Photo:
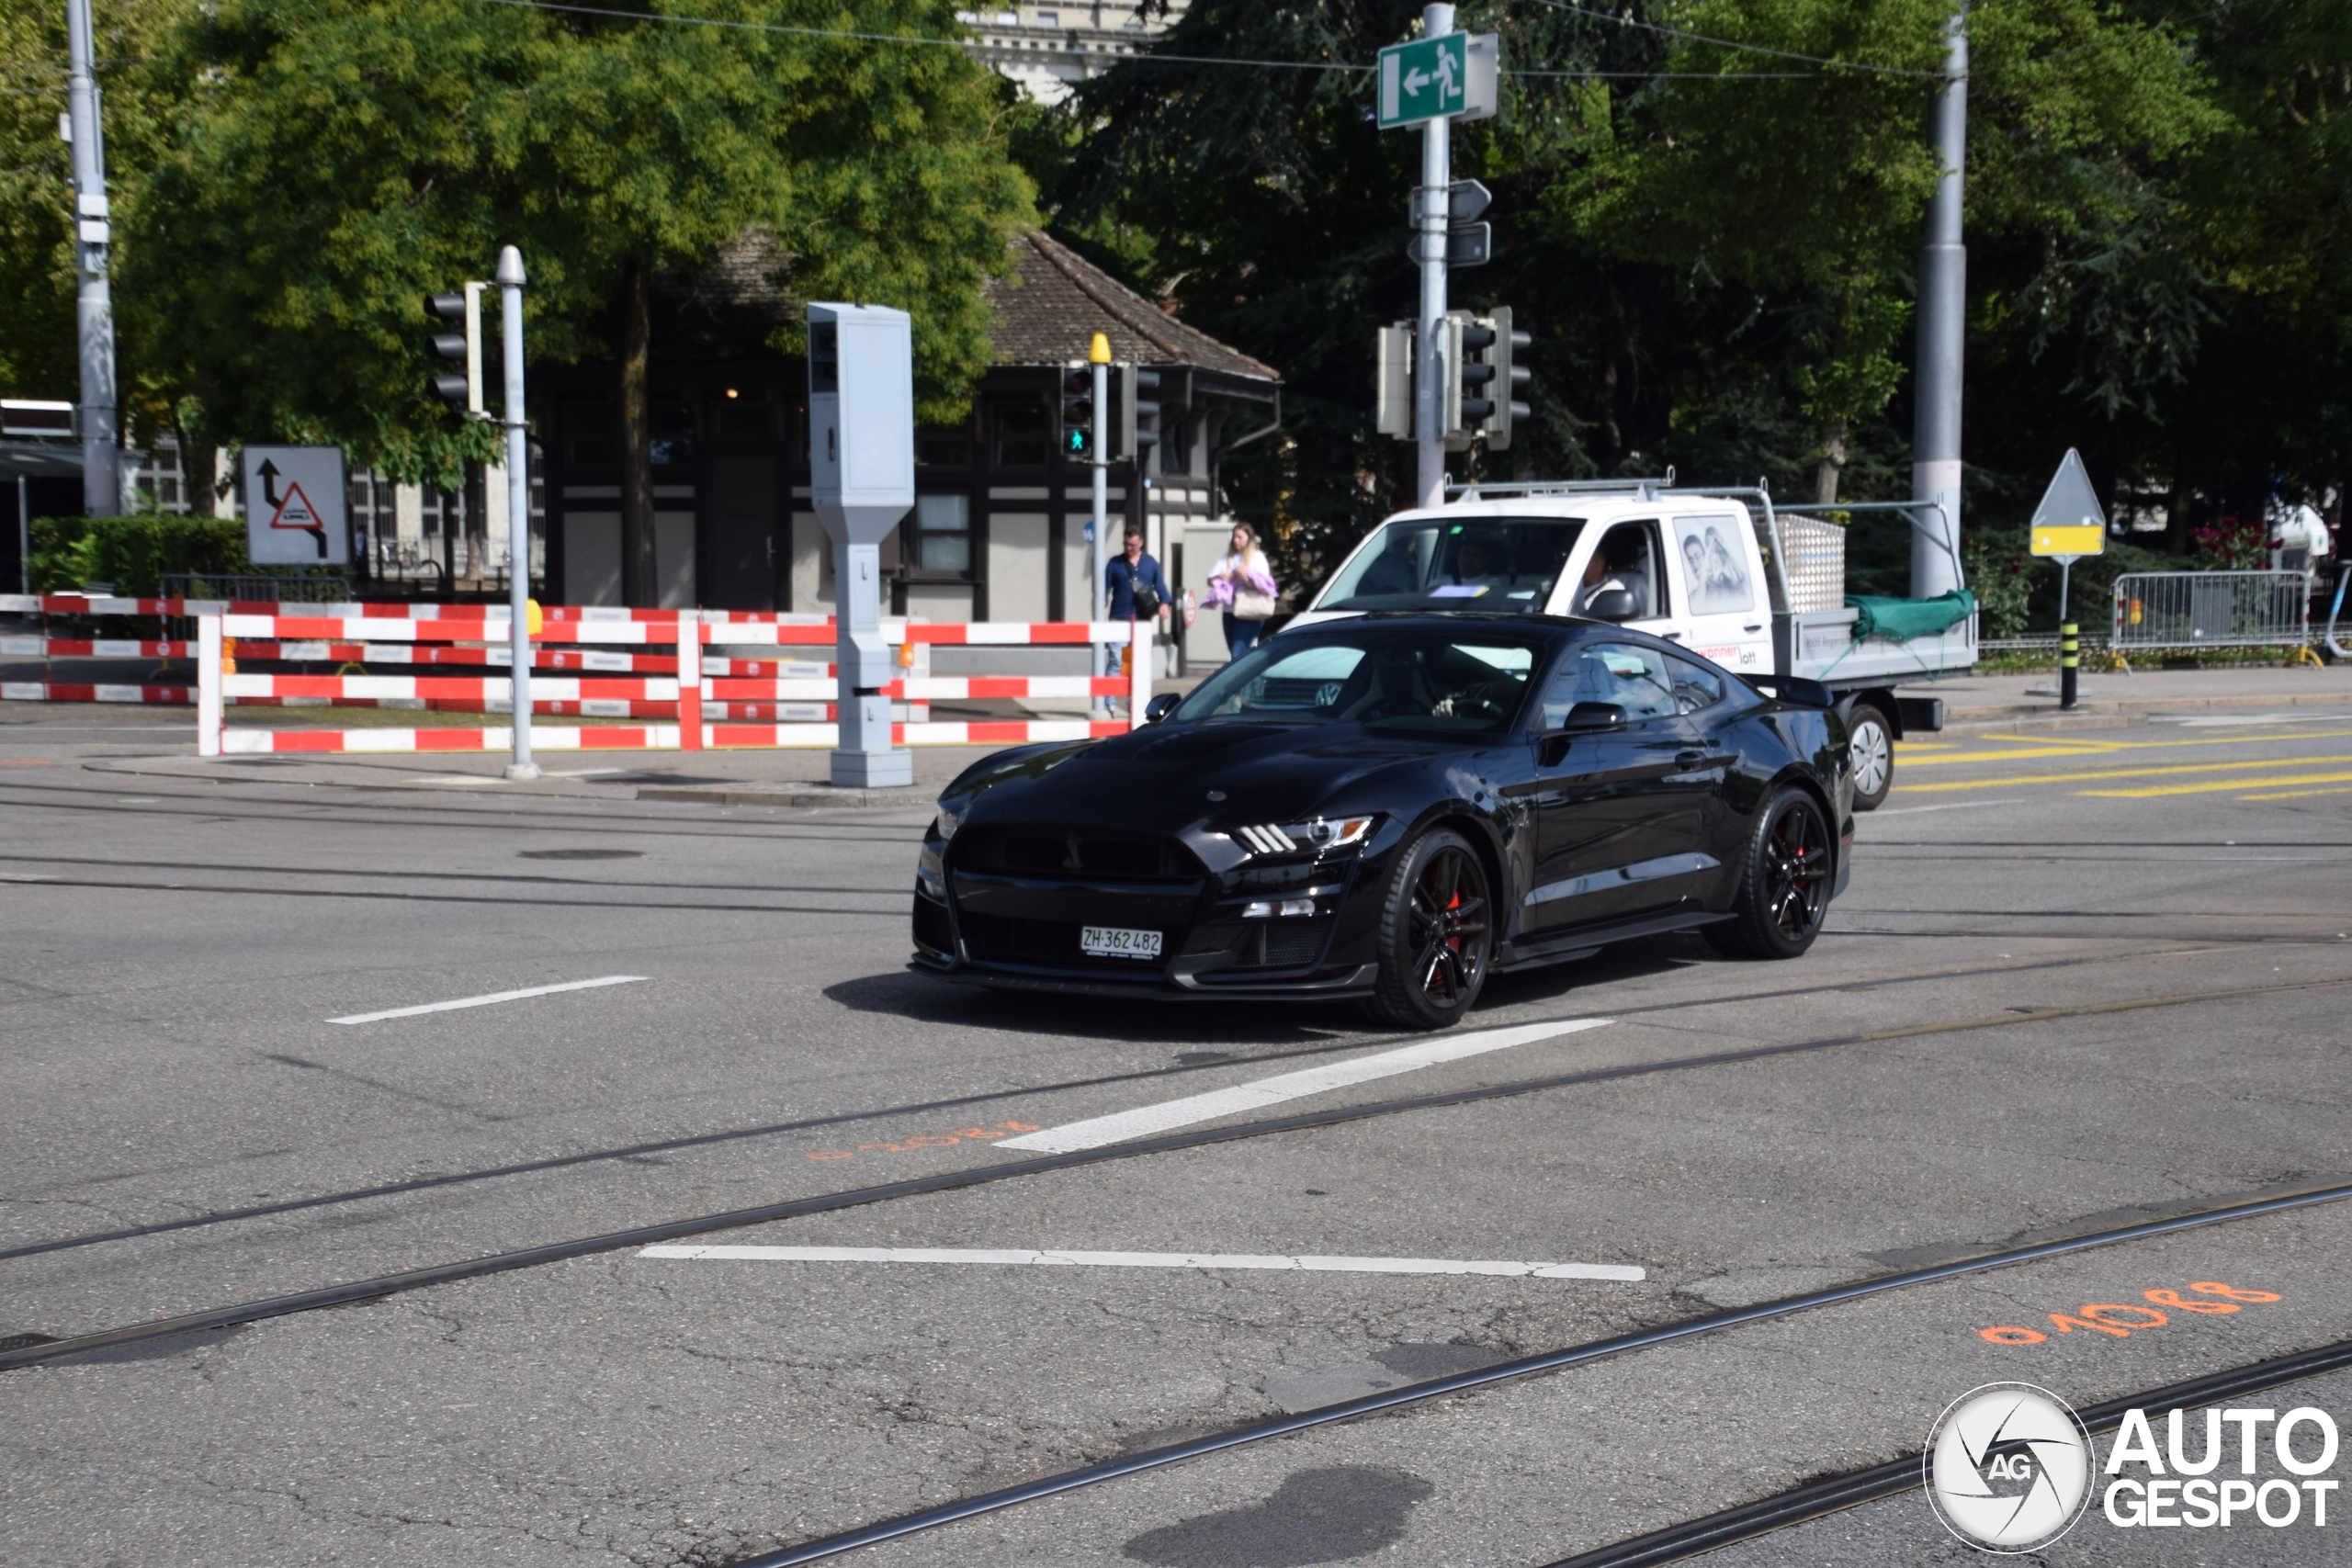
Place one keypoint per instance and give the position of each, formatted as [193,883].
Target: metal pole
[1429,390]
[1943,308]
[25,533]
[94,306]
[518,513]
[1097,603]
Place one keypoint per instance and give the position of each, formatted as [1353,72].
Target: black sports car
[1389,807]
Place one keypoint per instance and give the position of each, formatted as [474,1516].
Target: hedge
[132,553]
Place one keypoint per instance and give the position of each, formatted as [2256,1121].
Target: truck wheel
[1785,885]
[1436,932]
[1871,742]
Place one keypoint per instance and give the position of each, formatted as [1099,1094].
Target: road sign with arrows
[294,507]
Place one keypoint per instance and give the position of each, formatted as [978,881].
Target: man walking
[1136,589]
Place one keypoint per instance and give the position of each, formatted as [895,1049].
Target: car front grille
[932,925]
[1049,850]
[1009,938]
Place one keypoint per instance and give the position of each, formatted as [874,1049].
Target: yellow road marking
[2296,793]
[2094,747]
[2211,786]
[2086,775]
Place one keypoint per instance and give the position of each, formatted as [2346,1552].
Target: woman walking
[1243,584]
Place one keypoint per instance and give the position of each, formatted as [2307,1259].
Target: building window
[673,442]
[1049,18]
[944,449]
[592,430]
[944,534]
[1025,436]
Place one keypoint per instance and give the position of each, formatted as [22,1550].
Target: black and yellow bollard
[2070,660]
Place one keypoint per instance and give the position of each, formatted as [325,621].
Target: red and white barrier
[72,691]
[641,693]
[90,647]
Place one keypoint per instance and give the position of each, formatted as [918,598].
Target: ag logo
[2008,1468]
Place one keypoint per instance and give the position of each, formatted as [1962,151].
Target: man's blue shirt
[1120,579]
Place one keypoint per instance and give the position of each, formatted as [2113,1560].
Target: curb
[821,797]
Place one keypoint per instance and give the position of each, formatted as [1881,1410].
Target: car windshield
[1436,563]
[1470,682]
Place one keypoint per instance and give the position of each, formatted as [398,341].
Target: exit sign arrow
[1451,76]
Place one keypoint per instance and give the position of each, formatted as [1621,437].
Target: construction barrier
[2210,609]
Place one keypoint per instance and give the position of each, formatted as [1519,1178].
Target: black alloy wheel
[1784,888]
[1436,933]
[1870,749]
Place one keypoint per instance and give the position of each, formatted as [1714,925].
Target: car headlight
[1318,836]
[946,824]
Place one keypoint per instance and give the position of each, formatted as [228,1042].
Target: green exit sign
[1451,76]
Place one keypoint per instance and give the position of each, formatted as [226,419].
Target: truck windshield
[1437,563]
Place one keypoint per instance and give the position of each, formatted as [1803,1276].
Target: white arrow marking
[1414,81]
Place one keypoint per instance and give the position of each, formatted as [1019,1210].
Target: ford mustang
[1391,808]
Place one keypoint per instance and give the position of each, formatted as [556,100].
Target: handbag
[1147,601]
[1249,604]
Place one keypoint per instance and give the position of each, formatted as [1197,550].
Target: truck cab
[1759,592]
[1688,568]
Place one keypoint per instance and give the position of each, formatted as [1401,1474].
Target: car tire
[1871,747]
[1437,934]
[1784,883]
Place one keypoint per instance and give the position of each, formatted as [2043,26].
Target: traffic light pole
[518,513]
[1096,607]
[1429,385]
[94,303]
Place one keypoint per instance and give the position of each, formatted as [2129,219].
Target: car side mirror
[1584,718]
[1160,706]
[1612,604]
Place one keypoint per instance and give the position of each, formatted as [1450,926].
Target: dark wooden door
[740,545]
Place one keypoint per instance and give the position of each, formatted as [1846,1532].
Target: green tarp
[1900,620]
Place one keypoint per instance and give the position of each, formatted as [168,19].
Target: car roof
[1588,507]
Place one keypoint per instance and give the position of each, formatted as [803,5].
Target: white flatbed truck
[1759,589]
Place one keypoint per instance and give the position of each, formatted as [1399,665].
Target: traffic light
[1135,412]
[1078,411]
[460,391]
[1491,380]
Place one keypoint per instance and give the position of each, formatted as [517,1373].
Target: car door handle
[1689,760]
[1756,627]
[1672,636]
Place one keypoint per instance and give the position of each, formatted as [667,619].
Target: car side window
[1626,557]
[1635,679]
[1695,687]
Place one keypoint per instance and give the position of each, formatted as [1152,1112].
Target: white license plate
[1116,941]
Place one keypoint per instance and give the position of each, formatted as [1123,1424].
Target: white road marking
[26,876]
[2249,720]
[1955,806]
[1144,1261]
[494,996]
[1117,1128]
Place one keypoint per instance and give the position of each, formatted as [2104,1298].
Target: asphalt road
[2081,982]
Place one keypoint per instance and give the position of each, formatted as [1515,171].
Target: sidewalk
[2011,702]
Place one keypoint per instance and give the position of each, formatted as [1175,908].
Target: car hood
[1159,779]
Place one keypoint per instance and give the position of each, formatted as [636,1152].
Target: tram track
[1821,1498]
[400,1283]
[1803,1503]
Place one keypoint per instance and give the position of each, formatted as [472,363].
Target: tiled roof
[1057,301]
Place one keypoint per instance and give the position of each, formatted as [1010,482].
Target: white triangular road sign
[2070,520]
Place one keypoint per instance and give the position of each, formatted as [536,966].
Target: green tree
[338,159]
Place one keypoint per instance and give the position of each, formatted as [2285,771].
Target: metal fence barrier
[2211,609]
